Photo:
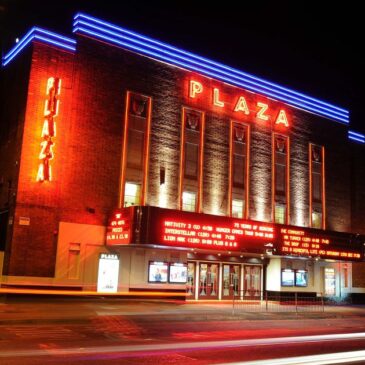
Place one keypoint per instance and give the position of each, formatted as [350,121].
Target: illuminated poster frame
[175,265]
[158,272]
[287,277]
[301,278]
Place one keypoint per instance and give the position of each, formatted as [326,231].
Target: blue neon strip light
[161,51]
[192,55]
[203,71]
[193,63]
[41,35]
[354,136]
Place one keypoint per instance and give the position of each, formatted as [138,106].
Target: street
[62,330]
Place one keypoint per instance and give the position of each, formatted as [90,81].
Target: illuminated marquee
[119,227]
[240,105]
[192,234]
[302,243]
[189,230]
[49,129]
[175,228]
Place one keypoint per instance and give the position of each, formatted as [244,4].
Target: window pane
[316,220]
[316,178]
[135,148]
[132,194]
[238,170]
[280,213]
[237,208]
[189,201]
[280,179]
[191,160]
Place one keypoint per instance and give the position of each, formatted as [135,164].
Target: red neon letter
[282,119]
[241,106]
[216,100]
[195,87]
[261,113]
[49,129]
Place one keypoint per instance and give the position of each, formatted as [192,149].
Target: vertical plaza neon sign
[49,129]
[262,111]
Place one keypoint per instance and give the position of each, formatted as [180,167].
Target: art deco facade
[232,183]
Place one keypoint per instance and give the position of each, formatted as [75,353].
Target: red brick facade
[88,150]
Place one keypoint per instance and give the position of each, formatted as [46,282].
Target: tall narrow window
[135,150]
[238,187]
[317,202]
[280,178]
[191,160]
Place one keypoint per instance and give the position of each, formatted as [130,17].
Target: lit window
[279,213]
[132,194]
[237,208]
[316,220]
[189,201]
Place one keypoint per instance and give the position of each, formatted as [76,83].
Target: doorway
[231,279]
[252,280]
[208,281]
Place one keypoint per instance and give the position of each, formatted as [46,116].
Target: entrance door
[252,280]
[231,281]
[208,280]
[190,284]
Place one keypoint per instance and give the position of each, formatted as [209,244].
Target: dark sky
[312,49]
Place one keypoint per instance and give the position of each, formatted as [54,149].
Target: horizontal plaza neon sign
[239,105]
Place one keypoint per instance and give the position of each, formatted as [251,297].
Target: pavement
[22,307]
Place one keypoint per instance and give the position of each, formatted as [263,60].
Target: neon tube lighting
[357,134]
[41,35]
[361,140]
[334,110]
[205,72]
[191,55]
[204,65]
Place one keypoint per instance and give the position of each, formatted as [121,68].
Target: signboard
[119,227]
[176,228]
[193,230]
[311,243]
[24,221]
[108,273]
[236,103]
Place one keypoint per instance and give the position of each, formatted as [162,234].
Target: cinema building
[130,165]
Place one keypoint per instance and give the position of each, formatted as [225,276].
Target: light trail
[186,346]
[323,359]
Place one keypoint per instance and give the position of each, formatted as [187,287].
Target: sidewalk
[33,308]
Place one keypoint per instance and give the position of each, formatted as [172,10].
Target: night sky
[299,45]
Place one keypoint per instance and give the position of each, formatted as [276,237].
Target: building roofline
[42,35]
[115,35]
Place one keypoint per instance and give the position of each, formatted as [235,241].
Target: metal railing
[257,301]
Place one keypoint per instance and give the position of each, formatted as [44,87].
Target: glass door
[208,280]
[252,280]
[190,283]
[231,281]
